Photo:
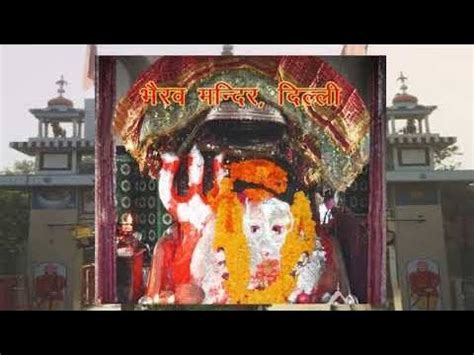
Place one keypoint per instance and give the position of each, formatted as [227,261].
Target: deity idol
[240,243]
[246,228]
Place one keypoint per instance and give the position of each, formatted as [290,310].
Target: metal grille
[138,195]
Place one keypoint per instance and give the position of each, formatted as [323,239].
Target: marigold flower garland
[230,236]
[260,171]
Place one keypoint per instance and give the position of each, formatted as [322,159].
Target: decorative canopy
[333,139]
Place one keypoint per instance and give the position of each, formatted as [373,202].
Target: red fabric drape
[376,217]
[105,251]
[352,235]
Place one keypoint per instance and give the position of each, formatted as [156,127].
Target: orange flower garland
[260,172]
[230,236]
[256,171]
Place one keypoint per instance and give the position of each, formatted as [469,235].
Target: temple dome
[60,101]
[404,99]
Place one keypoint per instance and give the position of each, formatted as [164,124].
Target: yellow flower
[229,235]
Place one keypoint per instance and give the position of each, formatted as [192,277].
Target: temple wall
[50,240]
[416,240]
[89,119]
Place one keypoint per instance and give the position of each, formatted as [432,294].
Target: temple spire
[227,49]
[61,83]
[402,79]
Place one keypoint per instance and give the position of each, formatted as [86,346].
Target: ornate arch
[335,140]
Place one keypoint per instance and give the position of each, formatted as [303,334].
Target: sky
[441,75]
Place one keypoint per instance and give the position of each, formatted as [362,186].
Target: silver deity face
[266,225]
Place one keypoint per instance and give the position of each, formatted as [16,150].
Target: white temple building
[61,194]
[431,212]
